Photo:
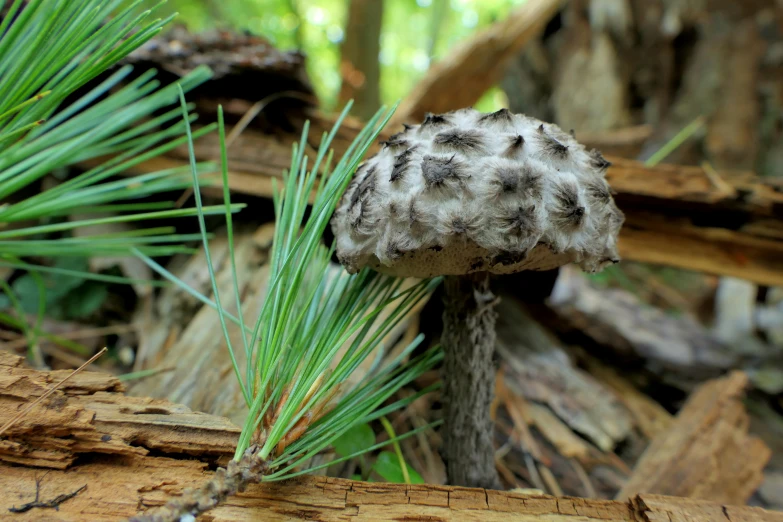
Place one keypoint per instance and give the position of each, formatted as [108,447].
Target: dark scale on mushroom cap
[550,146]
[521,221]
[501,117]
[598,162]
[394,249]
[396,142]
[365,187]
[438,170]
[569,211]
[434,120]
[514,148]
[507,179]
[530,183]
[413,215]
[401,164]
[598,192]
[464,141]
[467,186]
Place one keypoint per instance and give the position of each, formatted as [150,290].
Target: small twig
[585,478]
[54,503]
[50,391]
[549,479]
[717,181]
[143,374]
[256,109]
[532,469]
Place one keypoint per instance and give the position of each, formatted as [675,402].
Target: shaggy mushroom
[466,195]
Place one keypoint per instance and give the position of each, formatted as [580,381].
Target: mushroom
[466,195]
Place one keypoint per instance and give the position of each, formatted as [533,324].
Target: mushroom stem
[468,342]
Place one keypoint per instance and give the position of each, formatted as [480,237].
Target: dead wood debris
[706,453]
[605,65]
[676,349]
[551,404]
[90,415]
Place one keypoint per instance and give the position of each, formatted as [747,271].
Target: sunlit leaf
[387,465]
[359,438]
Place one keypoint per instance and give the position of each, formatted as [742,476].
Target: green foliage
[49,121]
[64,296]
[317,324]
[415,33]
[387,465]
[59,108]
[360,439]
[355,440]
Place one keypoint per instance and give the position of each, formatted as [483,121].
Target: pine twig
[227,481]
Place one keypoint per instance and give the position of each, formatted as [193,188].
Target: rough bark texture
[225,483]
[708,438]
[89,415]
[538,368]
[104,485]
[359,65]
[118,486]
[469,380]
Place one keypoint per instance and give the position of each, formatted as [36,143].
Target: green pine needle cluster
[59,109]
[49,51]
[317,324]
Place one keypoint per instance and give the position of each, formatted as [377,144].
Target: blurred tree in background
[413,34]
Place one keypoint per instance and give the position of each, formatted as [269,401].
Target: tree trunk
[359,65]
[468,380]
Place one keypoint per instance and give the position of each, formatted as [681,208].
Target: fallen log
[707,452]
[134,453]
[91,415]
[118,487]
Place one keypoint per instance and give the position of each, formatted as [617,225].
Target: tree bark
[359,65]
[468,380]
[117,487]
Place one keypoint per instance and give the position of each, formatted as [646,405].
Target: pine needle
[50,391]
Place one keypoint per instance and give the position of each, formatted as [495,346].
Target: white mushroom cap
[467,192]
